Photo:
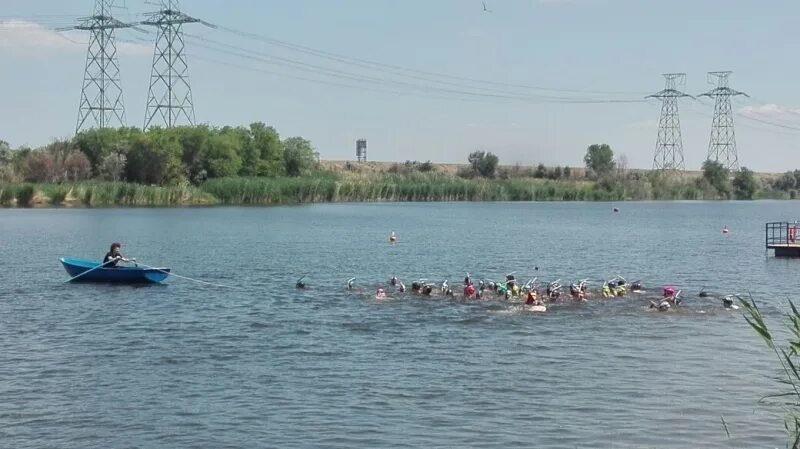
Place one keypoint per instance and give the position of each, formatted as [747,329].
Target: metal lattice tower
[722,145]
[169,100]
[101,96]
[669,145]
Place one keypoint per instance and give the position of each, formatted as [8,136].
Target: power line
[170,94]
[669,143]
[101,102]
[405,71]
[722,145]
[233,50]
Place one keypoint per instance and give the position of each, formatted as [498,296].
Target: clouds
[24,38]
[771,112]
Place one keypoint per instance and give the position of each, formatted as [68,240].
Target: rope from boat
[90,270]
[186,277]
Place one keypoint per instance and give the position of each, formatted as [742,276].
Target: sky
[533,81]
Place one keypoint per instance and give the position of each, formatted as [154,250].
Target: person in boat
[114,256]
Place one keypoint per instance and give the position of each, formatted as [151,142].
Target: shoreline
[337,188]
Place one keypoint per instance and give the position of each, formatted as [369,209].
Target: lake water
[262,364]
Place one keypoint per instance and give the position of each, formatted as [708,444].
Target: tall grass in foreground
[787,356]
[101,194]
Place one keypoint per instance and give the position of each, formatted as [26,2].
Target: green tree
[567,172]
[298,156]
[541,172]
[745,184]
[96,143]
[267,144]
[194,142]
[221,158]
[112,167]
[155,159]
[718,177]
[6,162]
[599,159]
[483,163]
[786,182]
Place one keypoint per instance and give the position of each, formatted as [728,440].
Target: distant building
[361,150]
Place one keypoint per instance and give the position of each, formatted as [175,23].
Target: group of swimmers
[534,294]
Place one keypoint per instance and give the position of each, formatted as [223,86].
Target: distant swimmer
[616,209]
[351,283]
[300,284]
[380,293]
[727,302]
[393,238]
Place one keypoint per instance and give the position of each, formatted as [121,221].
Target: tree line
[160,156]
[191,155]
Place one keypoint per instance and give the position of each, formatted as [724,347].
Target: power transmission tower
[101,96]
[722,145]
[169,100]
[669,144]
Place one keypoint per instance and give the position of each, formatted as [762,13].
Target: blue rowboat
[123,275]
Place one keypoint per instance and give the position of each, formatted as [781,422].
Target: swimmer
[393,281]
[662,306]
[401,288]
[393,238]
[351,283]
[380,293]
[727,302]
[533,299]
[300,284]
[469,291]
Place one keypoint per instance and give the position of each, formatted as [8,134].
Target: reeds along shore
[330,187]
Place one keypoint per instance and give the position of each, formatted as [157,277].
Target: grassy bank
[101,194]
[331,187]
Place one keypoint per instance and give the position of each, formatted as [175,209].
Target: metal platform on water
[783,238]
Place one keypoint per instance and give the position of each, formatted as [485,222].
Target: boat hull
[120,275]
